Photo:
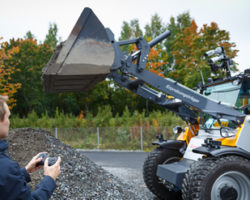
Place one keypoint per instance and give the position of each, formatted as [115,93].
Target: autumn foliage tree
[6,70]
[189,49]
[28,63]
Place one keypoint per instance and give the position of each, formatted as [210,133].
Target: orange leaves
[6,87]
[156,61]
[191,34]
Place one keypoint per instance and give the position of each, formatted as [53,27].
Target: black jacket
[13,180]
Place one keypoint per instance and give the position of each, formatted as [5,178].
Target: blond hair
[3,99]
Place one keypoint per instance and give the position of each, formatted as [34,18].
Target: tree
[51,37]
[6,87]
[158,57]
[154,28]
[28,63]
[175,26]
[29,35]
[130,30]
[189,49]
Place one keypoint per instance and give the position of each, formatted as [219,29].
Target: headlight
[177,130]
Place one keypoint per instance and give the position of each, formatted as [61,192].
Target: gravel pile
[80,178]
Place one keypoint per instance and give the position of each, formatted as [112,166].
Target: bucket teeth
[83,60]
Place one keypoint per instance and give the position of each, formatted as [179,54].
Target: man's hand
[54,170]
[31,166]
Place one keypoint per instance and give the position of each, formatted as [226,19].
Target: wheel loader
[210,159]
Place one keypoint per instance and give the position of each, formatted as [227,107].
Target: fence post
[141,138]
[98,138]
[56,133]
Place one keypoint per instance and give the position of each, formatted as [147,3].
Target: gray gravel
[83,179]
[80,178]
[126,165]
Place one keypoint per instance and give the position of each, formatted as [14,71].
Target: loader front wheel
[224,178]
[155,158]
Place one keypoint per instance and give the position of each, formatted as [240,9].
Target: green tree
[29,35]
[154,28]
[51,38]
[175,26]
[130,30]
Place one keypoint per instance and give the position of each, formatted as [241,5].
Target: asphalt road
[132,160]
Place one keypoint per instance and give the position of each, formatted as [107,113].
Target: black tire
[156,157]
[225,178]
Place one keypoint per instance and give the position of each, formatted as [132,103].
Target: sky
[17,17]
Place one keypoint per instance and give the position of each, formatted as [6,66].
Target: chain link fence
[102,138]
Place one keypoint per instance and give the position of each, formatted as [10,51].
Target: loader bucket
[83,60]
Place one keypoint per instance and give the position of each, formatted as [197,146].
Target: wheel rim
[233,181]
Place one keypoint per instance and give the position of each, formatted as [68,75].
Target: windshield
[226,93]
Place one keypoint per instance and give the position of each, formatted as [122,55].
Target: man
[13,179]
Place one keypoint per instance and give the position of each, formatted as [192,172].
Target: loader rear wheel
[155,158]
[224,178]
